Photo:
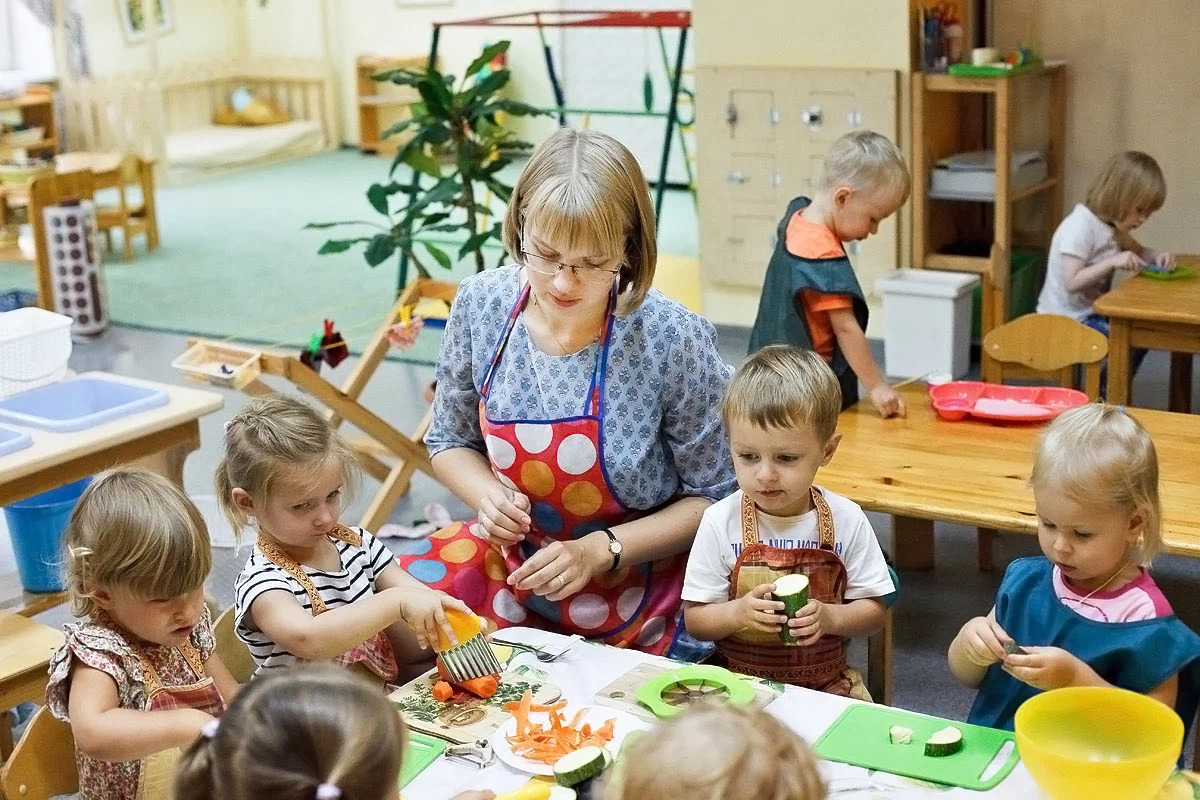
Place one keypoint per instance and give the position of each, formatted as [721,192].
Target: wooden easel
[386,453]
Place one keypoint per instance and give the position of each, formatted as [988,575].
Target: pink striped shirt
[1139,599]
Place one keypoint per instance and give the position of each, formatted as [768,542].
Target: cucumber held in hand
[581,765]
[945,742]
[792,591]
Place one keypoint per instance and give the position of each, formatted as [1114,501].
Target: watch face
[614,546]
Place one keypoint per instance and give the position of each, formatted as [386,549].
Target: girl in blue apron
[1088,613]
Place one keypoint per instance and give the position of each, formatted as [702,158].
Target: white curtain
[77,59]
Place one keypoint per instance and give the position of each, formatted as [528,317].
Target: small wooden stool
[24,661]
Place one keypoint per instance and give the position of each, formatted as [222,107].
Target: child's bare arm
[712,622]
[978,645]
[108,732]
[413,636]
[225,682]
[1049,668]
[324,636]
[853,344]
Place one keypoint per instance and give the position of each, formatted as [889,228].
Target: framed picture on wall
[411,3]
[133,17]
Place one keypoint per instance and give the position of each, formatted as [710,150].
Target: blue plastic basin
[11,441]
[78,404]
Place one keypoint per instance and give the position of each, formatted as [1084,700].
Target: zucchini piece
[1014,649]
[898,734]
[945,742]
[792,591]
[579,766]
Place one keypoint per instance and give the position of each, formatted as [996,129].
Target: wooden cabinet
[36,110]
[762,134]
[381,105]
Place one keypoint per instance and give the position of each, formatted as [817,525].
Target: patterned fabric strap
[824,520]
[153,681]
[288,564]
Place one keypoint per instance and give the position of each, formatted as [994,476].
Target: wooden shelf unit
[37,110]
[949,116]
[374,104]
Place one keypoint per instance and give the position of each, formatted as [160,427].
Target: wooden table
[923,469]
[24,659]
[1156,315]
[159,438]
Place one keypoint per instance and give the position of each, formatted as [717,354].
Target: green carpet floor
[235,261]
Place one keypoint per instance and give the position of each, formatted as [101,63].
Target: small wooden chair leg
[879,663]
[986,544]
[6,735]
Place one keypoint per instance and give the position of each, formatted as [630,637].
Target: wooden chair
[131,218]
[43,764]
[1041,346]
[51,190]
[232,652]
[879,651]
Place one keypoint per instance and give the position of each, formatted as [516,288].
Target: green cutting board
[860,737]
[422,751]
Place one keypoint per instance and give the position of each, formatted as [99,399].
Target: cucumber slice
[945,742]
[562,793]
[584,764]
[1014,649]
[792,591]
[898,734]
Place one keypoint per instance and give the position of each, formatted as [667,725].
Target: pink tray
[957,400]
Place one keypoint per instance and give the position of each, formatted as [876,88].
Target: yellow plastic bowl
[1089,742]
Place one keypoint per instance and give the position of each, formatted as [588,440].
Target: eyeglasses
[547,266]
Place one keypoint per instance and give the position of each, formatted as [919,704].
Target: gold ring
[562,584]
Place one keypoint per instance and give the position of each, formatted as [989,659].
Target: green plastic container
[1026,282]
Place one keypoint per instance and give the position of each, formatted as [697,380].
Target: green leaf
[476,241]
[421,162]
[378,195]
[321,225]
[486,57]
[483,90]
[447,228]
[437,134]
[436,97]
[438,254]
[434,219]
[338,246]
[516,108]
[380,249]
[501,190]
[401,77]
[399,127]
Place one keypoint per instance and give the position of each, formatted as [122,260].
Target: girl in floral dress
[137,676]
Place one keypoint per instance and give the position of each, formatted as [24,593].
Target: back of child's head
[1129,182]
[719,753]
[781,386]
[293,732]
[585,191]
[277,443]
[136,532]
[1099,456]
[867,162]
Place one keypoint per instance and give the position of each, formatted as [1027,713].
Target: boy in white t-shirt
[780,412]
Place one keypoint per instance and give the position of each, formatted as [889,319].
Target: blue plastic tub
[78,404]
[36,526]
[11,441]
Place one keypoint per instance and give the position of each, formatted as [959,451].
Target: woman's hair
[719,753]
[1130,181]
[134,531]
[584,190]
[277,442]
[1099,456]
[782,386]
[293,730]
[867,162]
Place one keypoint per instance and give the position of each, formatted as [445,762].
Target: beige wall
[1131,84]
[205,30]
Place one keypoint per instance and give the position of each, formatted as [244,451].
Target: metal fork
[544,656]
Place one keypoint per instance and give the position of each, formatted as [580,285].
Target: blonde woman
[138,674]
[1088,613]
[722,753]
[577,412]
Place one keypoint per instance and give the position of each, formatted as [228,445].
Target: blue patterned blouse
[662,426]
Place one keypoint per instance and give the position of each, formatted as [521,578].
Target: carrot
[443,673]
[551,741]
[442,691]
[483,687]
[513,706]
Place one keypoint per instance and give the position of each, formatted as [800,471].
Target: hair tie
[328,791]
[210,729]
[228,425]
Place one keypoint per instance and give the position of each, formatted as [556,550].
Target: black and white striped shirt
[361,567]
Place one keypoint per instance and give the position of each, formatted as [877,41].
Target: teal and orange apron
[821,665]
[559,465]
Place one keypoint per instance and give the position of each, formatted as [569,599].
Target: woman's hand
[561,569]
[403,335]
[503,515]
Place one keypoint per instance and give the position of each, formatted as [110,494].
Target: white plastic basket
[35,345]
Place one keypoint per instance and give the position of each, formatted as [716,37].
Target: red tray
[957,400]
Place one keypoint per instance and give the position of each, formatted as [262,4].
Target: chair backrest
[43,763]
[232,652]
[51,190]
[1046,345]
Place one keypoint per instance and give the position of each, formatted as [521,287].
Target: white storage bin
[927,322]
[34,347]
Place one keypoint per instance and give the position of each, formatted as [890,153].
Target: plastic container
[927,316]
[989,401]
[11,441]
[36,526]
[79,404]
[35,345]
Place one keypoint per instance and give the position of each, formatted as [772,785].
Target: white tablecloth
[589,668]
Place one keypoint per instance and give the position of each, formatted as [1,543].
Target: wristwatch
[614,547]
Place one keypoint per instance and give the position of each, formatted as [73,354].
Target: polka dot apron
[559,465]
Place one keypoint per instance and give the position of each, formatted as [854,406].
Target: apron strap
[509,324]
[288,564]
[824,520]
[599,370]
